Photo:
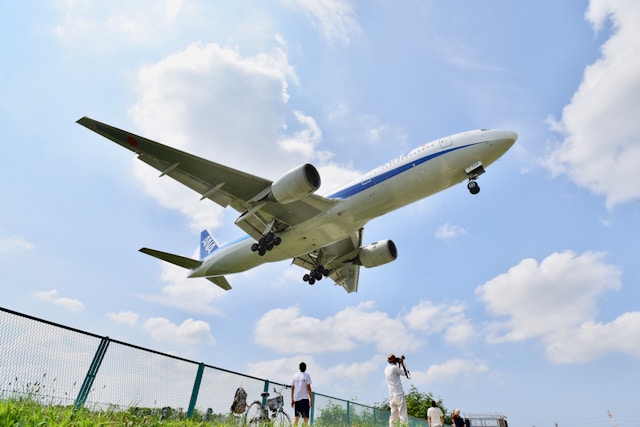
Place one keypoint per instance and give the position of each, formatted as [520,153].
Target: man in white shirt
[435,418]
[301,395]
[397,400]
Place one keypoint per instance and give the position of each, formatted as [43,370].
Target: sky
[521,300]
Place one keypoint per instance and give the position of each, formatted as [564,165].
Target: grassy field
[23,412]
[27,412]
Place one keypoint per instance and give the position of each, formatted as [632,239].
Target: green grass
[27,412]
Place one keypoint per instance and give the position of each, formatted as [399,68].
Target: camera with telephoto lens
[400,359]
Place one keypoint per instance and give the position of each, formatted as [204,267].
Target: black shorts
[301,408]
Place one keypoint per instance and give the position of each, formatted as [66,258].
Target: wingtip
[83,120]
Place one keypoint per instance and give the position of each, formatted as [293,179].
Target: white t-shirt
[434,413]
[299,383]
[392,374]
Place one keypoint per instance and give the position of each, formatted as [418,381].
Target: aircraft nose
[507,137]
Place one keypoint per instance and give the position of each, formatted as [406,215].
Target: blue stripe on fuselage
[356,188]
[377,179]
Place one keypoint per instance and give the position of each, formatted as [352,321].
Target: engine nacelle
[295,184]
[377,253]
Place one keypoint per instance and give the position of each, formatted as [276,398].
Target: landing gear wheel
[266,243]
[473,187]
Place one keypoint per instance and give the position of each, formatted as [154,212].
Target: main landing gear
[316,273]
[266,243]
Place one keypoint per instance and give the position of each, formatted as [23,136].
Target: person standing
[397,400]
[435,417]
[456,419]
[301,395]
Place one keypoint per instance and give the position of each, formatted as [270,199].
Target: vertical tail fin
[207,244]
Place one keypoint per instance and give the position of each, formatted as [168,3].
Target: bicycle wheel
[281,419]
[253,416]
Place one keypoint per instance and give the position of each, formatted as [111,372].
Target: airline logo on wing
[207,244]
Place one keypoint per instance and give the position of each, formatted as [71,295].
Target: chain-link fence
[57,365]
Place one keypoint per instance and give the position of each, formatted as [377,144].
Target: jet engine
[377,253]
[295,184]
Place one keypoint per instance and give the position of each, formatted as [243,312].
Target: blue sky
[521,300]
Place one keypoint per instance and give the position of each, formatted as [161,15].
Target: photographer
[397,400]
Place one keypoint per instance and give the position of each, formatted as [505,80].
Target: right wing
[216,182]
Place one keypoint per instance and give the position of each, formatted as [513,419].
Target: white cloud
[450,231]
[14,243]
[336,19]
[69,304]
[191,295]
[305,140]
[593,340]
[128,318]
[447,371]
[556,301]
[448,319]
[600,149]
[343,331]
[188,335]
[106,26]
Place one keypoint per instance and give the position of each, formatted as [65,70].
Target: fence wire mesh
[56,365]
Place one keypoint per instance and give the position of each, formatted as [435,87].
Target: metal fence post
[266,390]
[91,374]
[196,389]
[348,413]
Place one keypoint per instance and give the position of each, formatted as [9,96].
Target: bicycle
[257,414]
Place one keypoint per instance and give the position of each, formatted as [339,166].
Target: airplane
[285,219]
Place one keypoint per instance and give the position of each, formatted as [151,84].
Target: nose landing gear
[473,172]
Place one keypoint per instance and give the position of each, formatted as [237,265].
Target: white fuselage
[428,169]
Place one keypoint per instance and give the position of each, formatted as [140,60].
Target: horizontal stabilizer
[220,281]
[178,260]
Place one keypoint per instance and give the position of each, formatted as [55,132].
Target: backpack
[239,401]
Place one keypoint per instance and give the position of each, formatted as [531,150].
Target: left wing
[223,185]
[339,258]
